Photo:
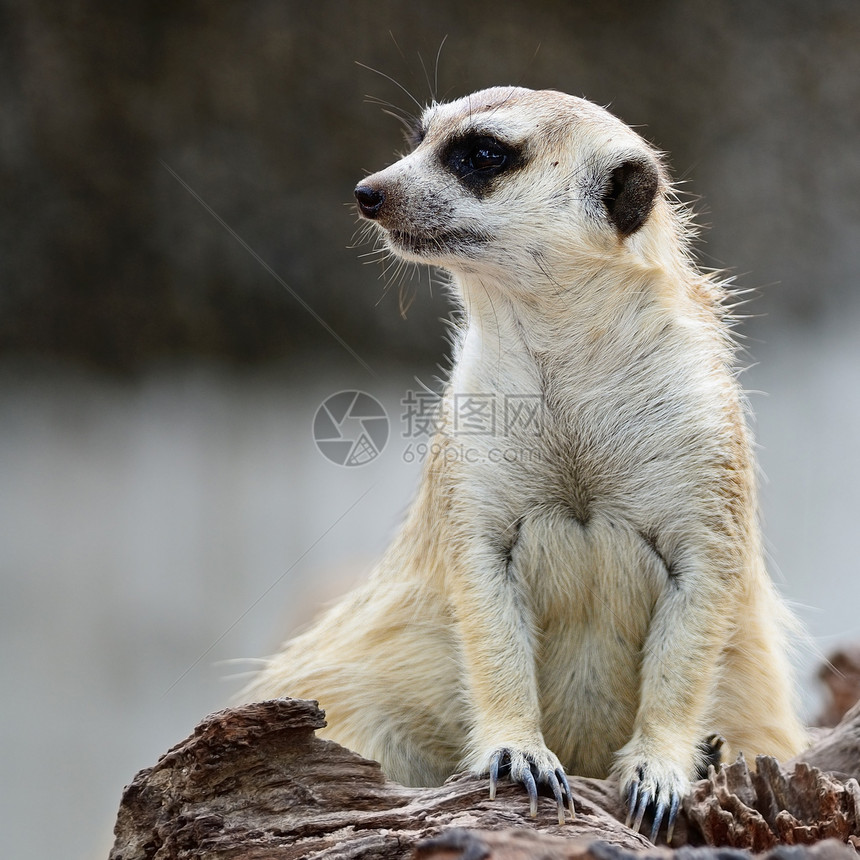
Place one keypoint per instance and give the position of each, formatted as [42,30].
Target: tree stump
[255,782]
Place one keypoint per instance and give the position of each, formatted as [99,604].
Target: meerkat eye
[477,159]
[487,156]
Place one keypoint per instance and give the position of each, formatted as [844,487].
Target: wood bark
[255,782]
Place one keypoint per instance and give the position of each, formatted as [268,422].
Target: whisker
[435,93]
[393,81]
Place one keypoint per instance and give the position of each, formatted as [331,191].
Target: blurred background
[180,289]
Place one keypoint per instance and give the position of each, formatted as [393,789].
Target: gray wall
[163,509]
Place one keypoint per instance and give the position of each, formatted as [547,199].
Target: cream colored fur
[601,601]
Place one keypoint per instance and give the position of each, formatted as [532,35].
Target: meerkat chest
[585,436]
[632,421]
[589,471]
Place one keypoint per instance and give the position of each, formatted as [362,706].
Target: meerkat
[582,592]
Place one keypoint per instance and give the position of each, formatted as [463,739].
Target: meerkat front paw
[535,768]
[659,785]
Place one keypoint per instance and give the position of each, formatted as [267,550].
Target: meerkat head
[509,179]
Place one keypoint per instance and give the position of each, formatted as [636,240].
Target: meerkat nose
[370,200]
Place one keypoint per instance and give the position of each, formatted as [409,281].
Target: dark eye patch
[478,159]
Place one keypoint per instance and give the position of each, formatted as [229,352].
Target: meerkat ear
[630,196]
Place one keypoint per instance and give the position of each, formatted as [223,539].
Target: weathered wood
[837,750]
[813,797]
[525,845]
[767,807]
[255,782]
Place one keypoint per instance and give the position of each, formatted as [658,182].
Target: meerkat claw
[673,815]
[631,802]
[531,788]
[494,773]
[562,778]
[644,800]
[557,793]
[534,775]
[659,812]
